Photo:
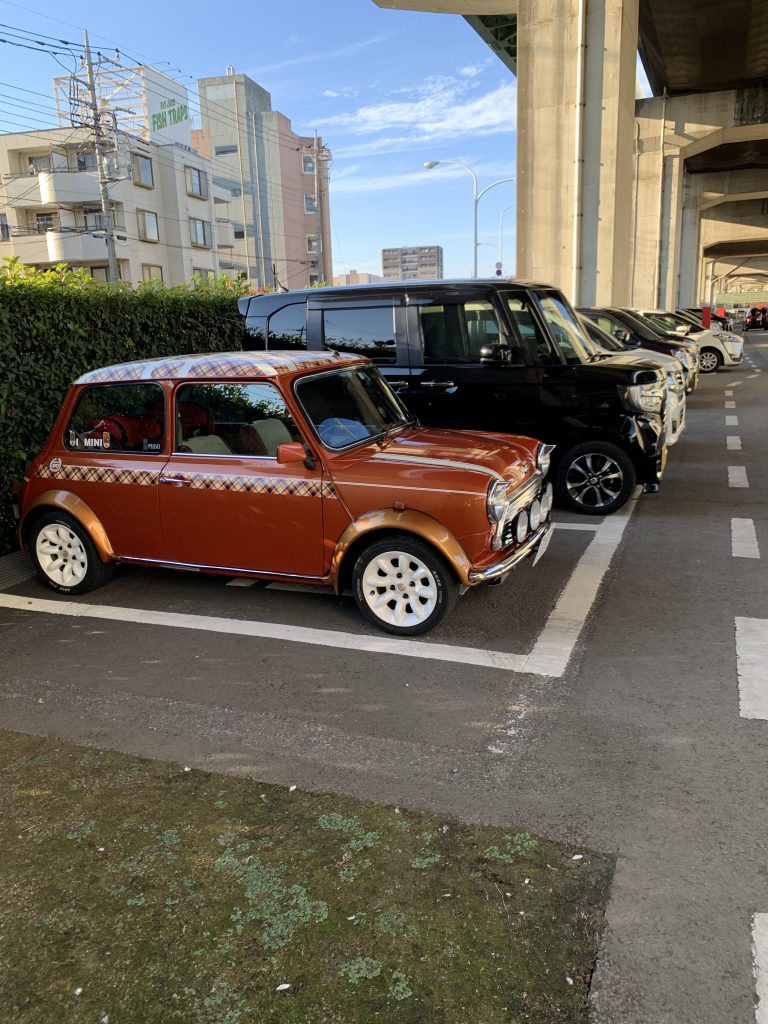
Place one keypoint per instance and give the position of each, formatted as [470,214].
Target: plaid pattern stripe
[228,364]
[101,474]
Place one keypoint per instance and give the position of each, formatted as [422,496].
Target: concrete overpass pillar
[576,105]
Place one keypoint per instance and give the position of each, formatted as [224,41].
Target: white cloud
[321,55]
[442,108]
[352,185]
[472,70]
[345,90]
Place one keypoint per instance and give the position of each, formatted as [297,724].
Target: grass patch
[132,890]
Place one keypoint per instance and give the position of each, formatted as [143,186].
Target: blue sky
[387,90]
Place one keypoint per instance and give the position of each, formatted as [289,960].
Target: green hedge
[57,324]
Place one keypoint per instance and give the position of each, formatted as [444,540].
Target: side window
[609,326]
[565,330]
[539,347]
[232,419]
[456,332]
[287,328]
[366,331]
[118,418]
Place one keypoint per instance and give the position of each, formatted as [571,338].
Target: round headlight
[497,500]
[521,527]
[534,514]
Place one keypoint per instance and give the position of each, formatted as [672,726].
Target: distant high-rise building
[420,262]
[278,181]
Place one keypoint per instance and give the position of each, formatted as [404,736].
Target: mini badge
[54,465]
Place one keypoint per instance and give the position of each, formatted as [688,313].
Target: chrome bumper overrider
[492,572]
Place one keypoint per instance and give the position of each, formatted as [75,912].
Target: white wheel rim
[708,361]
[61,555]
[399,589]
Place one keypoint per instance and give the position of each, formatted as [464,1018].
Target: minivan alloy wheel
[709,361]
[595,478]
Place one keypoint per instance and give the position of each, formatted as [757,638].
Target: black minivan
[491,355]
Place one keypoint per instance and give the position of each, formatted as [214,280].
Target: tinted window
[118,418]
[232,419]
[539,347]
[288,327]
[456,332]
[367,331]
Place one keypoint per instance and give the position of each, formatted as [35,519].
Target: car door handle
[176,481]
[397,385]
[441,385]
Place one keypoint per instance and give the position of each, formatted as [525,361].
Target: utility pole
[320,153]
[101,162]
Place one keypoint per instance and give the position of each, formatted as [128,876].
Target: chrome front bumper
[493,572]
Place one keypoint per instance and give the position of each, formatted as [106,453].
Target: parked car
[491,355]
[675,405]
[292,466]
[633,330]
[726,322]
[716,347]
[756,319]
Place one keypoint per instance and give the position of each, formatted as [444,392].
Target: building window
[197,182]
[314,280]
[5,231]
[313,244]
[37,164]
[45,222]
[307,165]
[99,274]
[204,273]
[200,233]
[239,233]
[224,150]
[142,171]
[151,272]
[86,160]
[310,206]
[148,229]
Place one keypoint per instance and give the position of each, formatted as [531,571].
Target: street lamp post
[501,233]
[476,197]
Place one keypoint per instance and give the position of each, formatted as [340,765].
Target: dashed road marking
[737,476]
[731,421]
[744,539]
[730,405]
[728,392]
[760,966]
[752,671]
[241,583]
[549,657]
[733,443]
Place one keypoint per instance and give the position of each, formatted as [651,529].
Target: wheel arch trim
[66,501]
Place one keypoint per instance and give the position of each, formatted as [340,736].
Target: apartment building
[356,277]
[278,182]
[421,262]
[164,207]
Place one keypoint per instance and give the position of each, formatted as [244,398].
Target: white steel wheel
[403,586]
[65,557]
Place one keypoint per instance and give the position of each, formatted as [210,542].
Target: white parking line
[733,443]
[730,405]
[549,657]
[737,476]
[752,668]
[728,392]
[731,421]
[744,539]
[241,583]
[760,965]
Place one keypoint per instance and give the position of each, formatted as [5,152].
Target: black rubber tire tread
[624,462]
[445,578]
[97,573]
[717,356]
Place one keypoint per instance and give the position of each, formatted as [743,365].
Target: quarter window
[148,229]
[287,328]
[566,332]
[367,331]
[118,418]
[232,419]
[538,345]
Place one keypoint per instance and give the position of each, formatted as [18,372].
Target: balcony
[225,234]
[30,247]
[67,188]
[76,247]
[22,190]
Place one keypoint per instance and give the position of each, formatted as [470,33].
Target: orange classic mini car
[293,466]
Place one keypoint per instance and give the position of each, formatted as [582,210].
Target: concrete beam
[466,7]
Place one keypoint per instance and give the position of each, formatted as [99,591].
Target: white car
[716,347]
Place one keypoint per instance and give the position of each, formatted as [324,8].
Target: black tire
[607,465]
[710,360]
[65,556]
[408,560]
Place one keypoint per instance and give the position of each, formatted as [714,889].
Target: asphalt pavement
[648,738]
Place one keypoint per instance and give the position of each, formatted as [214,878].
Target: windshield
[671,321]
[351,405]
[643,328]
[568,333]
